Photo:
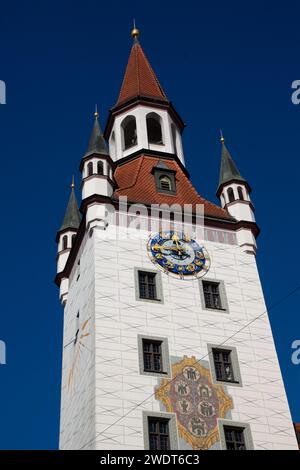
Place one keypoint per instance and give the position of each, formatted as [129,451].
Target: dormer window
[129,132]
[165,180]
[165,183]
[154,130]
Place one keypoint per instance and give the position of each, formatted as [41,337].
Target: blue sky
[225,65]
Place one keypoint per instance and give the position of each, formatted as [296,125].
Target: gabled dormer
[165,178]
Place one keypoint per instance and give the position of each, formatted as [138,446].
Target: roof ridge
[152,72]
[137,67]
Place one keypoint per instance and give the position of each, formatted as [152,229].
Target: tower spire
[139,79]
[97,143]
[228,170]
[72,215]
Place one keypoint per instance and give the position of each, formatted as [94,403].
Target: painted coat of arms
[197,402]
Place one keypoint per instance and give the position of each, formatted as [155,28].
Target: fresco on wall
[197,402]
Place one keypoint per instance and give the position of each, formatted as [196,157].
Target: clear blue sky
[223,64]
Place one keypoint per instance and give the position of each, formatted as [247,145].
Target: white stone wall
[77,425]
[261,401]
[107,383]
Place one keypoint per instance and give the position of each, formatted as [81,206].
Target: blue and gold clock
[177,254]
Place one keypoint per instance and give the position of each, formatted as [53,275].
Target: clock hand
[180,250]
[175,239]
[168,248]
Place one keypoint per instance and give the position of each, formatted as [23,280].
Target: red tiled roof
[134,180]
[139,78]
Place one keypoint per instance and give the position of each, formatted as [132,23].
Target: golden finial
[96,114]
[135,32]
[222,137]
[73,184]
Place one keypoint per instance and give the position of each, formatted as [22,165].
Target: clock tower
[166,343]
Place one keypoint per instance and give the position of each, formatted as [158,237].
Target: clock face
[176,254]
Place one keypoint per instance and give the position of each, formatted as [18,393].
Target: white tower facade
[167,343]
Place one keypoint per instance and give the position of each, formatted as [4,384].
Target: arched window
[129,132]
[90,169]
[240,193]
[165,183]
[100,168]
[65,242]
[154,130]
[173,129]
[230,194]
[73,238]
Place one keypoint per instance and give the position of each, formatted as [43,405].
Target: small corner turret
[96,165]
[234,194]
[65,238]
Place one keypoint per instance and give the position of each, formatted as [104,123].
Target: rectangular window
[235,435]
[212,295]
[158,431]
[152,356]
[223,365]
[147,285]
[234,438]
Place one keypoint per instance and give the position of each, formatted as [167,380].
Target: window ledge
[228,381]
[220,310]
[156,374]
[234,383]
[149,300]
[167,192]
